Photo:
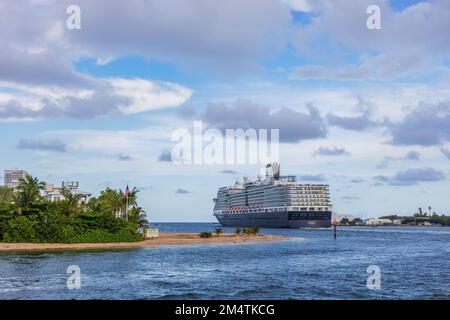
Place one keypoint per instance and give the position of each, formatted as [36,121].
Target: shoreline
[164,239]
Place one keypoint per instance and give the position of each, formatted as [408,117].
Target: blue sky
[99,104]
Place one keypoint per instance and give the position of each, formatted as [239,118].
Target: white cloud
[299,5]
[148,95]
[411,42]
[107,96]
[221,35]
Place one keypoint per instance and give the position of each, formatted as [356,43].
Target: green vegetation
[422,218]
[238,231]
[347,222]
[252,230]
[26,217]
[205,235]
[6,194]
[218,231]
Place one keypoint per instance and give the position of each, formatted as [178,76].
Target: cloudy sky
[366,111]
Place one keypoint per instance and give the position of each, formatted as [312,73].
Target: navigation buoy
[334,228]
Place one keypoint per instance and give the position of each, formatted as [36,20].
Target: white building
[378,222]
[53,193]
[339,217]
[13,177]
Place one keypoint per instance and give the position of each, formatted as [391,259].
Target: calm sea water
[414,264]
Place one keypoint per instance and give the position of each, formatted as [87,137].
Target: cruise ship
[273,202]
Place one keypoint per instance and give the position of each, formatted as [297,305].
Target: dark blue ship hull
[283,219]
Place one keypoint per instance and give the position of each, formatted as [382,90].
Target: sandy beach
[164,239]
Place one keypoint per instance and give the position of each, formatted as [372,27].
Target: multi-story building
[53,193]
[50,192]
[13,177]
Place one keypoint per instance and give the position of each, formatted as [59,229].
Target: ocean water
[414,264]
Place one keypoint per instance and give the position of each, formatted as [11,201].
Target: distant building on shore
[339,217]
[53,193]
[13,177]
[382,222]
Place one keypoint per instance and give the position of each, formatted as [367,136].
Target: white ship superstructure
[275,201]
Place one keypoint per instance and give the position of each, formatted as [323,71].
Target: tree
[29,191]
[238,230]
[93,205]
[132,197]
[7,212]
[218,231]
[71,201]
[137,216]
[111,201]
[115,201]
[420,212]
[6,194]
[30,218]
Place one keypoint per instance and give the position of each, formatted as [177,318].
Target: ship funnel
[269,170]
[276,170]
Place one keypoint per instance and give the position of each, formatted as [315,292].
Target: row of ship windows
[285,191]
[297,194]
[301,208]
[273,192]
[278,190]
[269,204]
[276,198]
[290,196]
[285,209]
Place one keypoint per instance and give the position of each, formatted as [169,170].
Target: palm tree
[71,200]
[137,216]
[29,191]
[112,201]
[94,205]
[131,199]
[218,231]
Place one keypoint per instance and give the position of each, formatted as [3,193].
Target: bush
[205,235]
[238,231]
[102,235]
[52,227]
[251,230]
[21,229]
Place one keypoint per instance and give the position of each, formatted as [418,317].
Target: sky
[366,111]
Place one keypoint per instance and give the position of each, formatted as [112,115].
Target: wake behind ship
[273,202]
